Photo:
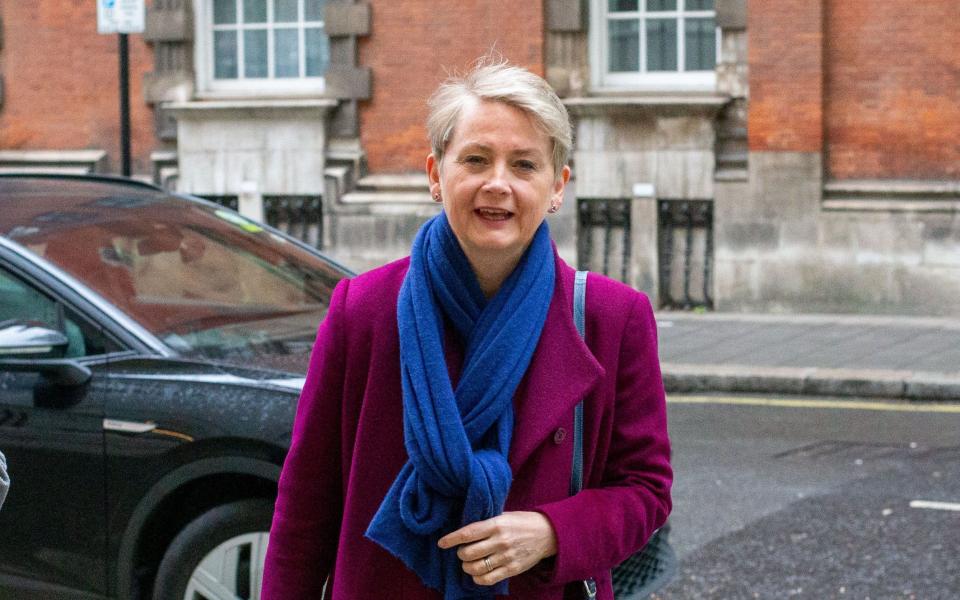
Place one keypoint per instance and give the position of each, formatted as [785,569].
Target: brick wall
[893,81]
[411,46]
[785,56]
[60,80]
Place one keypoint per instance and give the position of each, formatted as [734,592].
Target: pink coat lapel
[562,372]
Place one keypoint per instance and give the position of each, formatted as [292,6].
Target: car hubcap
[231,571]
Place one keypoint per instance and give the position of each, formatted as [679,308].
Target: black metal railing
[230,202]
[298,216]
[603,236]
[685,240]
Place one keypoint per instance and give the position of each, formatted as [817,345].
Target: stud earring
[436,197]
[553,209]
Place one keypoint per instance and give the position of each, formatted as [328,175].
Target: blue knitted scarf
[457,440]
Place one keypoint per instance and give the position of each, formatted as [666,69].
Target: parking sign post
[124,105]
[122,17]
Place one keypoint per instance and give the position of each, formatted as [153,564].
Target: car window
[23,302]
[204,280]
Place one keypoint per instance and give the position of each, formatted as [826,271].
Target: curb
[811,381]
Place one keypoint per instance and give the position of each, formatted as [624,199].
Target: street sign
[120,16]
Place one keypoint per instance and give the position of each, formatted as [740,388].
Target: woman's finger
[480,567]
[468,533]
[478,550]
[492,577]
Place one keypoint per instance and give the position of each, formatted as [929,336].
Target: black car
[152,347]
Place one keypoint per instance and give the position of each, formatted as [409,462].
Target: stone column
[644,271]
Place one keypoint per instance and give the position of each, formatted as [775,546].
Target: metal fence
[685,249]
[603,236]
[298,216]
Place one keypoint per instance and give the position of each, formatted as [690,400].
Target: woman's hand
[503,546]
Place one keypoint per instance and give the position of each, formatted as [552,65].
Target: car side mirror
[30,340]
[31,347]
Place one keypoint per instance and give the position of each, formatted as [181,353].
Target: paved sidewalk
[824,355]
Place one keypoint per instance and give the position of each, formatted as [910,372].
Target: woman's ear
[559,185]
[433,175]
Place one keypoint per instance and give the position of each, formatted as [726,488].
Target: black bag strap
[576,473]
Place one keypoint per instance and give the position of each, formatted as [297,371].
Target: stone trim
[347,82]
[566,15]
[160,87]
[342,19]
[53,161]
[168,25]
[888,206]
[731,14]
[345,79]
[310,108]
[658,104]
[892,195]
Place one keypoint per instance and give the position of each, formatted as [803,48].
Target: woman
[432,448]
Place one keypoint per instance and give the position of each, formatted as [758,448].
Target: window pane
[285,11]
[254,11]
[255,53]
[701,50]
[224,11]
[318,52]
[286,55]
[313,10]
[699,4]
[624,45]
[657,5]
[225,54]
[22,302]
[661,45]
[623,5]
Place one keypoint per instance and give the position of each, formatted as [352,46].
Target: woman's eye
[526,165]
[474,160]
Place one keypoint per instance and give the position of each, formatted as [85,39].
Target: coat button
[559,435]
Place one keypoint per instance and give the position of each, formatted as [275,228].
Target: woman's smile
[494,215]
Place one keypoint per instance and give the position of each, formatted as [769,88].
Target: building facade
[772,156]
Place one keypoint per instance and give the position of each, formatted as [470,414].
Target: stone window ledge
[660,104]
[216,109]
[53,161]
[398,190]
[892,195]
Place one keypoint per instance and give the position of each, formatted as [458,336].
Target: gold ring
[486,563]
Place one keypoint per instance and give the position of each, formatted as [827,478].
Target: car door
[53,524]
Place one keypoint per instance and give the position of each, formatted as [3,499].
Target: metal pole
[124,106]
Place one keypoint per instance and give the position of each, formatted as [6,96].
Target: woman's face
[496,180]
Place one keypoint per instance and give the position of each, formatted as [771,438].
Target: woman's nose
[496,182]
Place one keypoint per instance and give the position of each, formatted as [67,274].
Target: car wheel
[218,556]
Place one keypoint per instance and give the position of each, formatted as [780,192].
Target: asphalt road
[818,498]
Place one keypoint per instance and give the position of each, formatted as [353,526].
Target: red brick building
[823,137]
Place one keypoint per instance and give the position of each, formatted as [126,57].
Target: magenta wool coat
[347,445]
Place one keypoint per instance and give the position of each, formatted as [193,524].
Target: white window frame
[203,58]
[659,81]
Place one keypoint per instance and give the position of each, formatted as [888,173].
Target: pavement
[894,357]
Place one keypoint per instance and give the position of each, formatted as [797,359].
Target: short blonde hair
[499,81]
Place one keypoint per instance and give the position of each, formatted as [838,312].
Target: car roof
[85,180]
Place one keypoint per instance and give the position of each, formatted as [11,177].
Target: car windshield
[205,280]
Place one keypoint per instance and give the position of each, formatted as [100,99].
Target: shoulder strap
[579,318]
[576,474]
